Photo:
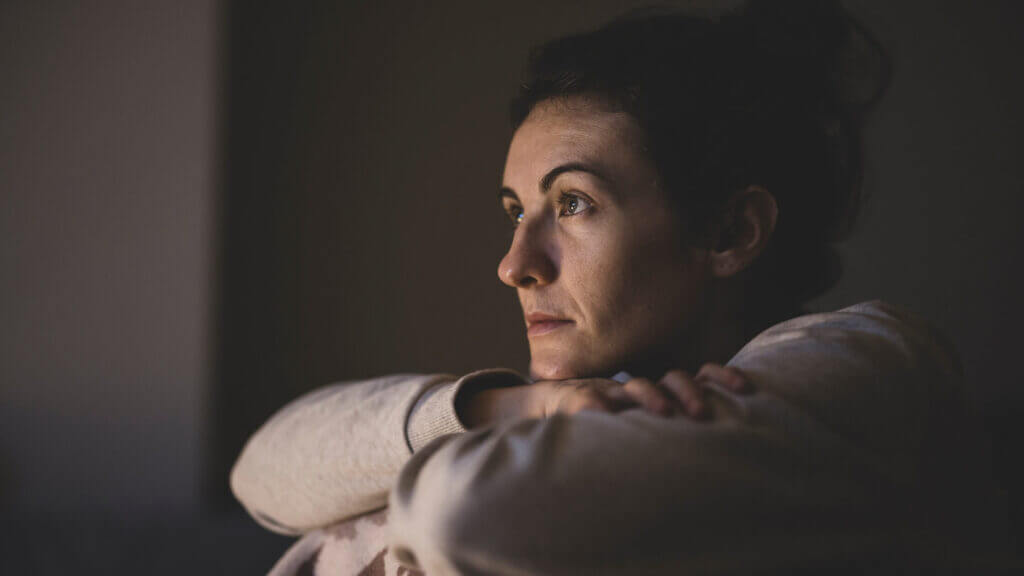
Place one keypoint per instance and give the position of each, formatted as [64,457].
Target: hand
[546,398]
[541,399]
[677,393]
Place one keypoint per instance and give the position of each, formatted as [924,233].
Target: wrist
[485,407]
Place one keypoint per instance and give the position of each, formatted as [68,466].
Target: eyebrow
[553,174]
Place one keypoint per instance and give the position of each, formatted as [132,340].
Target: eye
[515,213]
[572,204]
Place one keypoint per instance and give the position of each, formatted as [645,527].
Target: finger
[689,393]
[619,398]
[651,397]
[727,376]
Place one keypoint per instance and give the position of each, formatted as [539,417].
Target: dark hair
[772,94]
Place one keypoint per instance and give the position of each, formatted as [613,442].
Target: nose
[531,259]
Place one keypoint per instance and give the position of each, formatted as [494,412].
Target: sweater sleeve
[821,468]
[335,452]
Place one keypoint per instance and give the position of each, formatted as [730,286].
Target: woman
[675,184]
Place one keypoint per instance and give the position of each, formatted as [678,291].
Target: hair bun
[814,49]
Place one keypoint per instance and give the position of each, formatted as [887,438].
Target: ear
[747,224]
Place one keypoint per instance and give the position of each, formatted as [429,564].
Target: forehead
[574,129]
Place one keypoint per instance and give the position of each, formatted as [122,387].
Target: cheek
[638,288]
[593,277]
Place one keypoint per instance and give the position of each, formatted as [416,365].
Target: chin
[542,368]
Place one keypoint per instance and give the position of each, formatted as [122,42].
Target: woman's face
[604,280]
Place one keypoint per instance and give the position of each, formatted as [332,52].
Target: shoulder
[871,336]
[879,376]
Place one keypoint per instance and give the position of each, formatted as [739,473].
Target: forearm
[328,455]
[481,408]
[836,457]
[633,493]
[335,452]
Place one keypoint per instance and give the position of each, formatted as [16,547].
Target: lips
[539,323]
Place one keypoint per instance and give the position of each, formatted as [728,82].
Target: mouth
[538,324]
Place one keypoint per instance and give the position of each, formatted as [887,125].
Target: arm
[824,464]
[601,493]
[335,452]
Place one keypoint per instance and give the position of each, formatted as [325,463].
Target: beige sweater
[841,459]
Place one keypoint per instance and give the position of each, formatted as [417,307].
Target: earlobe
[748,223]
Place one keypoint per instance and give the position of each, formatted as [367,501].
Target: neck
[729,320]
[736,315]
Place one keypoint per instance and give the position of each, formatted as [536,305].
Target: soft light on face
[603,278]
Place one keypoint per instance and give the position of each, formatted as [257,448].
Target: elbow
[256,499]
[240,481]
[242,486]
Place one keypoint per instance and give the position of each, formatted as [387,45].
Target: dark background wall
[108,163]
[207,209]
[107,154]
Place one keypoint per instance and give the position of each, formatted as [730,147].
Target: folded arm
[821,468]
[335,452]
[633,493]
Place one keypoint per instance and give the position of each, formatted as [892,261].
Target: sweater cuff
[434,414]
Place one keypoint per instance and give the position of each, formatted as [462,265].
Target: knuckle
[638,385]
[676,375]
[673,386]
